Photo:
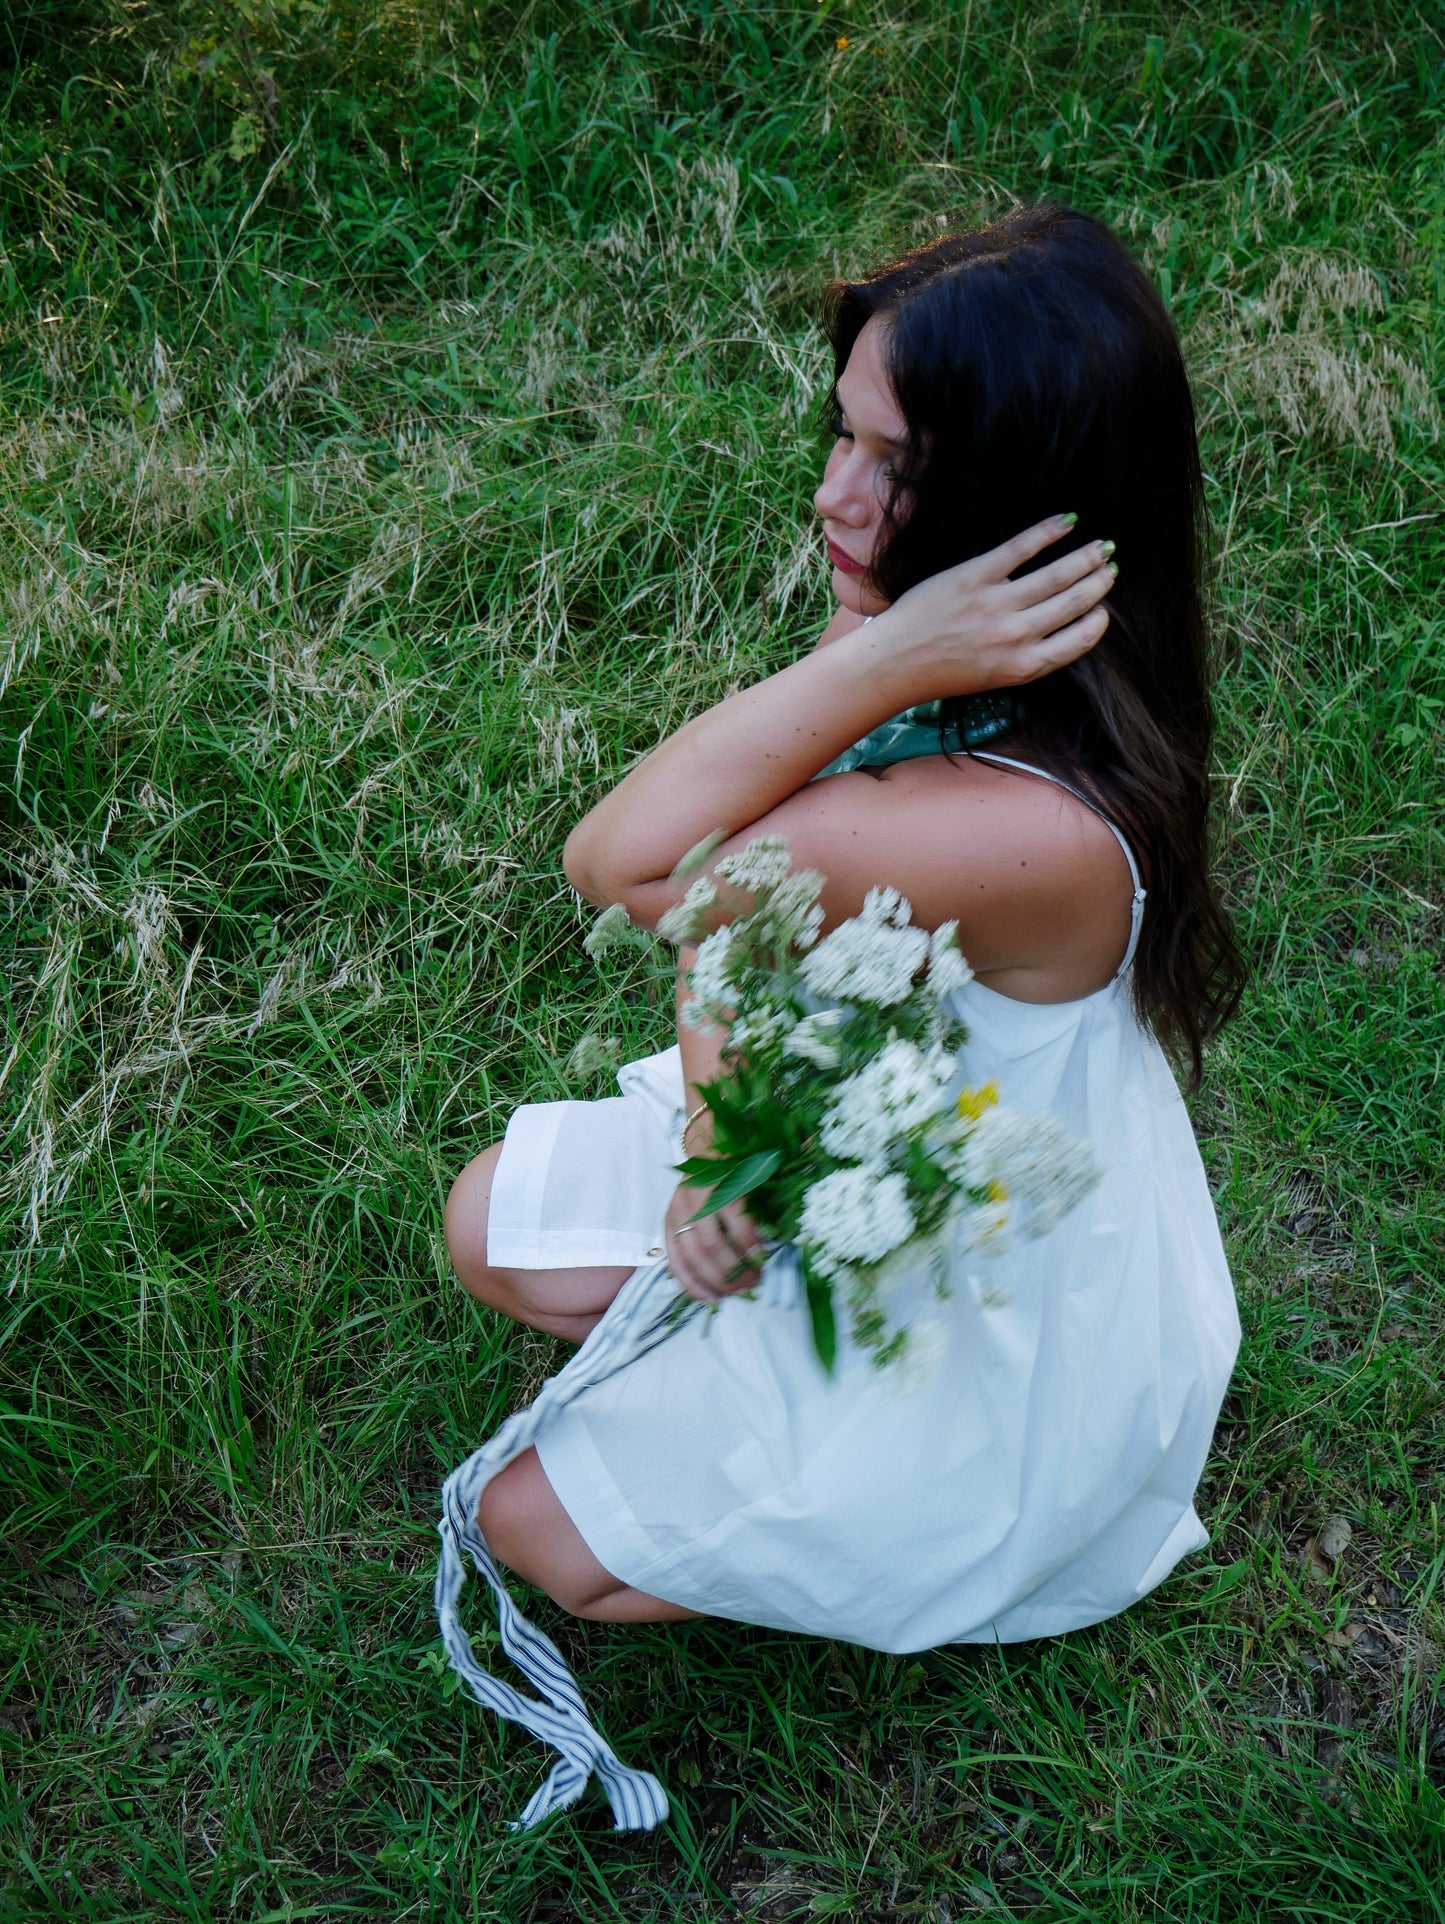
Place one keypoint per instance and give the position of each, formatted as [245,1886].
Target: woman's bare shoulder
[1014,801]
[1038,885]
[1045,820]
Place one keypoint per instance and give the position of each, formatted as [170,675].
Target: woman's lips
[845,562]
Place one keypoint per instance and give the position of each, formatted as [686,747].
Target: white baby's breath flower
[699,855]
[792,911]
[1033,1168]
[594,1055]
[956,1153]
[900,1088]
[687,918]
[886,906]
[947,969]
[812,1038]
[856,1215]
[760,865]
[710,979]
[865,960]
[1070,1178]
[1036,1160]
[916,1363]
[980,1226]
[612,930]
[759,1027]
[923,1178]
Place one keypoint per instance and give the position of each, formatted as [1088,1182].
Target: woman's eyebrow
[885,440]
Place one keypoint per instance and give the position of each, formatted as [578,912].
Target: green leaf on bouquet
[743,1176]
[820,1309]
[701,1168]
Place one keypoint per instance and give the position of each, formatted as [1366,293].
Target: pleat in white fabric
[643,1314]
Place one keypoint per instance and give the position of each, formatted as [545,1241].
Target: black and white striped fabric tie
[643,1314]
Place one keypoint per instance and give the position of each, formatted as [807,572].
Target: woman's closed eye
[840,431]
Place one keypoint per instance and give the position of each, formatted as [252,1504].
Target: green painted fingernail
[1114,569]
[1106,548]
[1068,519]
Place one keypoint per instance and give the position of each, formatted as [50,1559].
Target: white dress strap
[1136,909]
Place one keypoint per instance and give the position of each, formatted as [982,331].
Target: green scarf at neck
[920,731]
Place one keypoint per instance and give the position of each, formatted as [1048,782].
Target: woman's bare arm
[969,628]
[844,622]
[1033,878]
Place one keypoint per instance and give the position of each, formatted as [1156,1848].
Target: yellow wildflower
[997,1192]
[841,43]
[973,1102]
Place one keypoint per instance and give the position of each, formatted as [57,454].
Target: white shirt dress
[1040,1478]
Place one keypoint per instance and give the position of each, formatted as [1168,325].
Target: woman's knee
[527,1528]
[465,1221]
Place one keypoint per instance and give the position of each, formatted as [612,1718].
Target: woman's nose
[839,498]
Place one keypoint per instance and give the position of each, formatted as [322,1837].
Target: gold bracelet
[690,1121]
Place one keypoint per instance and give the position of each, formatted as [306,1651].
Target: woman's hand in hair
[973,628]
[757,752]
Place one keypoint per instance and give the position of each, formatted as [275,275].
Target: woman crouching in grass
[1010,405]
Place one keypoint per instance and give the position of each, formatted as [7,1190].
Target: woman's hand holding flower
[716,1257]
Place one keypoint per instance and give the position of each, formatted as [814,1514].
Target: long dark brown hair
[1038,372]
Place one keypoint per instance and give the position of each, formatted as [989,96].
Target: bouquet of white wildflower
[841,1116]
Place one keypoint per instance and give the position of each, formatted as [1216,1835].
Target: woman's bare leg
[525,1525]
[520,1514]
[563,1302]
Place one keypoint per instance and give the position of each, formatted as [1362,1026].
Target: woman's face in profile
[871,435]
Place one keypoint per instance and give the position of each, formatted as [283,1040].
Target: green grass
[389,456]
